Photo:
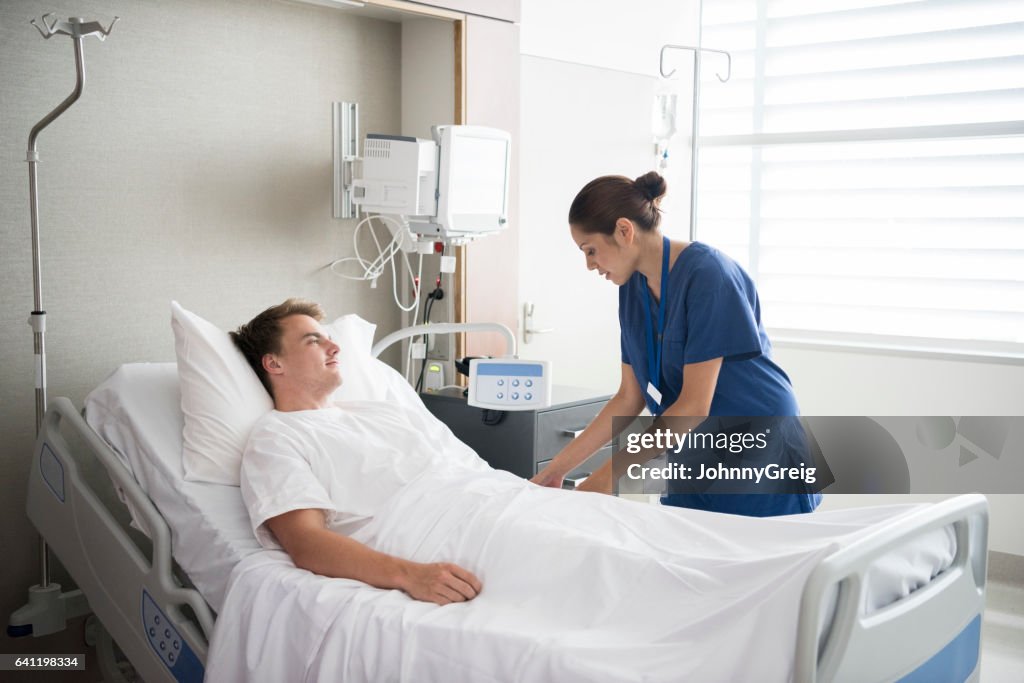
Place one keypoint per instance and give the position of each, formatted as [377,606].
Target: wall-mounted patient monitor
[452,188]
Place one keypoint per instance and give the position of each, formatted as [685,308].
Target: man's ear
[271,364]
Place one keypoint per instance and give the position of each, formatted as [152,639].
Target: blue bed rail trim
[953,663]
[52,471]
[167,643]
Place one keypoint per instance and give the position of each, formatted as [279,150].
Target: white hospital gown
[348,460]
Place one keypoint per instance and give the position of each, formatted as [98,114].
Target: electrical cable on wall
[435,295]
[385,255]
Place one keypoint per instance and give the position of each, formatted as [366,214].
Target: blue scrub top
[712,311]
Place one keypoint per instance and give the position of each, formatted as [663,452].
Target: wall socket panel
[440,347]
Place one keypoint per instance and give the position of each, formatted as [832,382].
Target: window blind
[865,163]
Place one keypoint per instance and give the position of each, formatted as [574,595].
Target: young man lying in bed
[305,455]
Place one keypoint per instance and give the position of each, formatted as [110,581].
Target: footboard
[932,634]
[136,597]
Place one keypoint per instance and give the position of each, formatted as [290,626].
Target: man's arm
[314,547]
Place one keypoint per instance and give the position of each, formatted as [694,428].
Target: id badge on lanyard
[654,334]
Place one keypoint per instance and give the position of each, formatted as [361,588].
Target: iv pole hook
[728,60]
[73,27]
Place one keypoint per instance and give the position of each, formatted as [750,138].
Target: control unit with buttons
[509,384]
[168,644]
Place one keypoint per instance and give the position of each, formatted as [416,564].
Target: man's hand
[317,549]
[440,582]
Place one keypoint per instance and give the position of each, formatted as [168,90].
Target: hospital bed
[862,615]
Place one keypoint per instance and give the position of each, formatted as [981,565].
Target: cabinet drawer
[595,461]
[556,428]
[588,467]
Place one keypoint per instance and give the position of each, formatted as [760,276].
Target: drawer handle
[573,432]
[573,482]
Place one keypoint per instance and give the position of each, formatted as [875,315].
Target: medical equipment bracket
[345,121]
[77,29]
[446,328]
[695,122]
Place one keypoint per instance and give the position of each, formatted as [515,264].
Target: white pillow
[361,379]
[222,398]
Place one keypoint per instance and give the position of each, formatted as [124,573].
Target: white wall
[589,71]
[575,136]
[849,382]
[609,34]
[833,382]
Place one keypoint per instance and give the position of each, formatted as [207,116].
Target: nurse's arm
[688,411]
[627,402]
[312,546]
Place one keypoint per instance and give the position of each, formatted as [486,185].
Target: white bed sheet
[287,624]
[137,410]
[685,595]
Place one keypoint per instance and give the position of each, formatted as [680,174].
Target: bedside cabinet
[522,442]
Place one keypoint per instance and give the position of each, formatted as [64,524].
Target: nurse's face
[610,256]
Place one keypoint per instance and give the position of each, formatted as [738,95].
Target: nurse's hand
[600,481]
[549,477]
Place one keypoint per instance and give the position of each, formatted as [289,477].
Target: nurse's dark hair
[262,334]
[605,200]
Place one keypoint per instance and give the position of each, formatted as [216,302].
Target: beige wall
[196,166]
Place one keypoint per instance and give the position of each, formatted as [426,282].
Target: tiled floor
[1002,635]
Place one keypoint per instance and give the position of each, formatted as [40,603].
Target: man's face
[308,358]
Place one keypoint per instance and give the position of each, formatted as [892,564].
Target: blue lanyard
[654,335]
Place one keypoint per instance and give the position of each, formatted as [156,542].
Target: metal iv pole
[695,120]
[77,29]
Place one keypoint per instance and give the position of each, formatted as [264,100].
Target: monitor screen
[474,179]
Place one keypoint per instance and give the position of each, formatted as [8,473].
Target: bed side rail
[895,640]
[136,597]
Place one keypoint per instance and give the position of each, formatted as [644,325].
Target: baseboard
[1006,567]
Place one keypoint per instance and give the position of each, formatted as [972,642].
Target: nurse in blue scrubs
[693,345]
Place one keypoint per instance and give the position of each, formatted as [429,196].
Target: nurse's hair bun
[651,185]
[603,201]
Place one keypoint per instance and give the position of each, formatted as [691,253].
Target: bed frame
[160,625]
[140,602]
[937,627]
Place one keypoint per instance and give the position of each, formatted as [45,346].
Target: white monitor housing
[452,188]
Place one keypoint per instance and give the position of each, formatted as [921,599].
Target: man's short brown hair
[262,334]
